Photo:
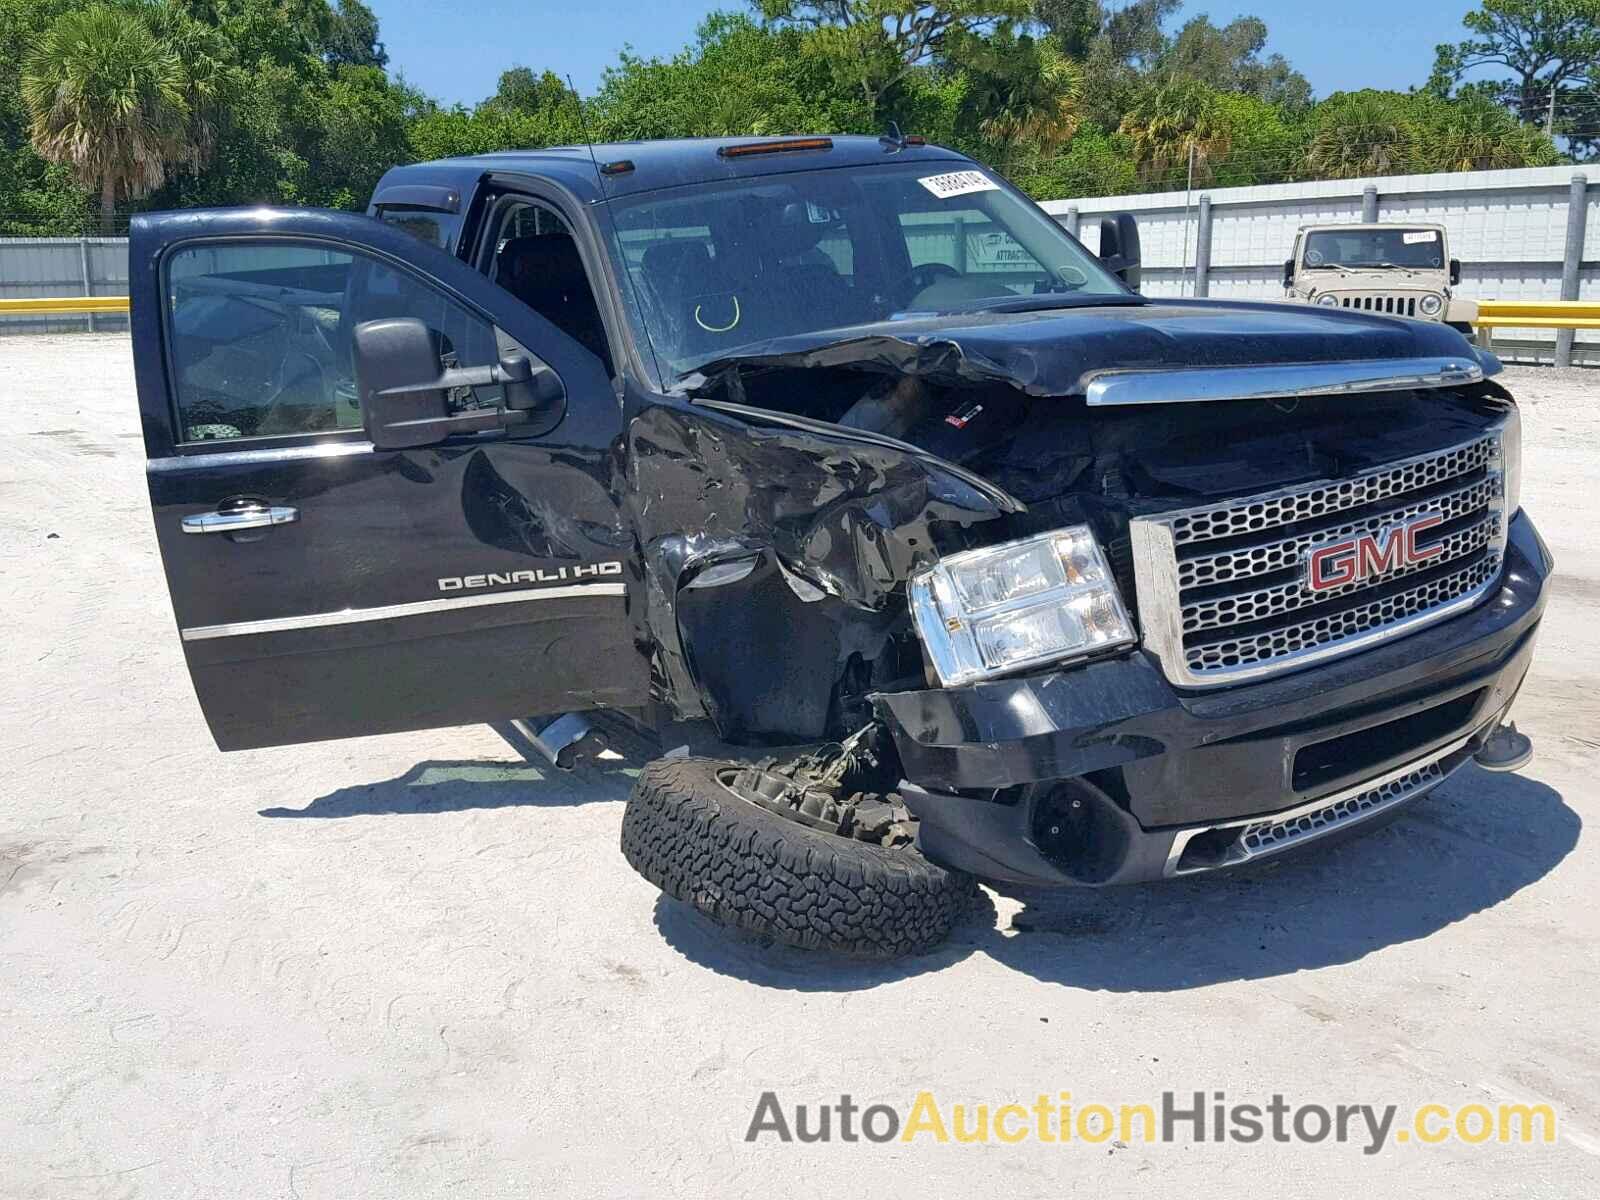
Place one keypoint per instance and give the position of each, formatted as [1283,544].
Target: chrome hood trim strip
[1276,382]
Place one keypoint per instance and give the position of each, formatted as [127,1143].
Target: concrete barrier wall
[63,267]
[1509,229]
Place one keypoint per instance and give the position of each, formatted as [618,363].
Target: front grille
[1399,306]
[1223,593]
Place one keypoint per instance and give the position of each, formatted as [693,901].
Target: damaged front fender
[833,524]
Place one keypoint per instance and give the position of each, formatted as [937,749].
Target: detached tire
[751,869]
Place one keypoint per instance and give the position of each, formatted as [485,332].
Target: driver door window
[536,259]
[260,336]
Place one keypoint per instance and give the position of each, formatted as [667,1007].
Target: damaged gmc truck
[908,539]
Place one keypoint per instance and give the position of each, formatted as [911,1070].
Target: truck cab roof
[628,168]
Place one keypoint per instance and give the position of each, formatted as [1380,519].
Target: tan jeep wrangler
[1404,270]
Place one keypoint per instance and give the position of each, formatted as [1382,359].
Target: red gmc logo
[1369,555]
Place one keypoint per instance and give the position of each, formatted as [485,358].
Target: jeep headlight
[1328,300]
[1430,305]
[988,612]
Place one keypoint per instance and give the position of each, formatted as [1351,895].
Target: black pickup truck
[911,542]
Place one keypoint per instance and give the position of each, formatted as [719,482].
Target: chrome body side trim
[1425,767]
[258,456]
[389,612]
[1201,385]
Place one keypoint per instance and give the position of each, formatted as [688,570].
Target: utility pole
[1550,117]
[1187,192]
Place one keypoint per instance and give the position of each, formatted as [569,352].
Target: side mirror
[405,391]
[1455,271]
[1119,248]
[1288,273]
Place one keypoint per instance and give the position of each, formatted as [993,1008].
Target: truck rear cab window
[430,227]
[260,336]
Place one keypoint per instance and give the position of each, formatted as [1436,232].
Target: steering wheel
[920,278]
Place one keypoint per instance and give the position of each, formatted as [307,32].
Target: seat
[691,292]
[546,273]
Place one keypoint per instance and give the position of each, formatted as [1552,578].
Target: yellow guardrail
[28,306]
[1522,314]
[1539,314]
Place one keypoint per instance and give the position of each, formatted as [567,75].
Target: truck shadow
[1473,844]
[454,786]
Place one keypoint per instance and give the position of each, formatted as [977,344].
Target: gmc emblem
[1369,555]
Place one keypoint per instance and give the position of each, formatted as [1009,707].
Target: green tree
[363,121]
[521,91]
[1541,48]
[1093,163]
[875,44]
[352,39]
[737,78]
[106,98]
[1229,58]
[1266,142]
[1021,95]
[1473,133]
[1173,124]
[1362,133]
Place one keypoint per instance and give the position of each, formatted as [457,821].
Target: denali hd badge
[582,573]
[1366,556]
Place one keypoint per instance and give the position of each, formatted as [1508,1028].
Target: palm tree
[1175,122]
[1475,134]
[105,97]
[1362,133]
[210,80]
[1035,107]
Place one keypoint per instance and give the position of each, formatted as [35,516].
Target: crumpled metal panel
[853,520]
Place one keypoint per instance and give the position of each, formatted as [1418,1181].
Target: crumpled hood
[1051,353]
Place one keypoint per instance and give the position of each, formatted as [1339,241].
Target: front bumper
[1107,774]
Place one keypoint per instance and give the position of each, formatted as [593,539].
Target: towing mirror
[1288,272]
[1119,247]
[405,390]
[1455,271]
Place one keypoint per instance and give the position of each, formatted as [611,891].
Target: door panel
[475,580]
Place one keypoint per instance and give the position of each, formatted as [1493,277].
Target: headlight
[985,612]
[1328,300]
[1511,461]
[1430,305]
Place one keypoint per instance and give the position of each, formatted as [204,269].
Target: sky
[455,52]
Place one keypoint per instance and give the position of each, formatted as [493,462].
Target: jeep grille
[1397,306]
[1222,593]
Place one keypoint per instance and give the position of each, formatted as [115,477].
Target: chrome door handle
[237,519]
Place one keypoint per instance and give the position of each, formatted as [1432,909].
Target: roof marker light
[747,149]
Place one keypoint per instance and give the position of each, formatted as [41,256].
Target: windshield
[1398,247]
[714,267]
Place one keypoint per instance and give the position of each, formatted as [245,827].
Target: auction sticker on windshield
[1422,235]
[958,183]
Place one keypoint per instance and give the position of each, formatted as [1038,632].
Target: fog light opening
[1080,830]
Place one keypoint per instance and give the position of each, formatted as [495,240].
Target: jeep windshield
[715,267]
[1417,249]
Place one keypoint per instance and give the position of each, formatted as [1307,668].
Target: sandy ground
[411,966]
